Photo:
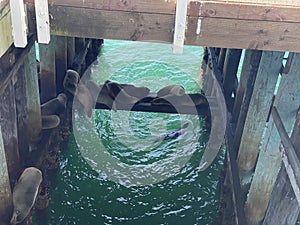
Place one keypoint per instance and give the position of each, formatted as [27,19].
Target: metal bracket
[180,24]
[42,21]
[19,25]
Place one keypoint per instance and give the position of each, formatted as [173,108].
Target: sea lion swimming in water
[25,193]
[173,134]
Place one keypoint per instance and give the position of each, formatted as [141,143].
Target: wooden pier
[261,171]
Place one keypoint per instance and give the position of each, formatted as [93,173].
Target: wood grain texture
[259,10]
[278,2]
[283,207]
[244,34]
[269,160]
[247,11]
[155,6]
[217,32]
[47,71]
[9,131]
[6,38]
[5,193]
[61,60]
[23,137]
[33,120]
[260,102]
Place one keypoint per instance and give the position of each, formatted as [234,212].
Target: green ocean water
[112,171]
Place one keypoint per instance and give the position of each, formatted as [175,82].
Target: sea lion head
[17,217]
[71,81]
[185,125]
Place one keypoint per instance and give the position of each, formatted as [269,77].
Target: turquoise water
[112,171]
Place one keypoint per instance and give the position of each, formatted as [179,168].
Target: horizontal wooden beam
[203,28]
[217,9]
[246,11]
[244,34]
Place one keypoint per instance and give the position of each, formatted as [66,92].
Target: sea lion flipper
[50,121]
[85,98]
[54,106]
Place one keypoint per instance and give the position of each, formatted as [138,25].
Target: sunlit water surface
[85,191]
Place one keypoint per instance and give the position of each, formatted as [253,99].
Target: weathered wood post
[60,61]
[20,89]
[9,131]
[269,160]
[70,51]
[47,71]
[260,102]
[284,207]
[5,190]
[230,69]
[244,93]
[245,88]
[34,122]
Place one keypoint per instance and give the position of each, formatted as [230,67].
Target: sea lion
[185,100]
[25,193]
[71,81]
[138,92]
[100,94]
[172,134]
[55,106]
[125,93]
[83,95]
[50,121]
[177,90]
[79,91]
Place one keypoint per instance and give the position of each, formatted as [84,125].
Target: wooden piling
[230,69]
[34,124]
[245,88]
[244,94]
[260,102]
[283,207]
[79,44]
[70,51]
[23,138]
[221,58]
[9,131]
[47,71]
[61,59]
[5,189]
[269,160]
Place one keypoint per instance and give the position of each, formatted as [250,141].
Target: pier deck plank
[261,25]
